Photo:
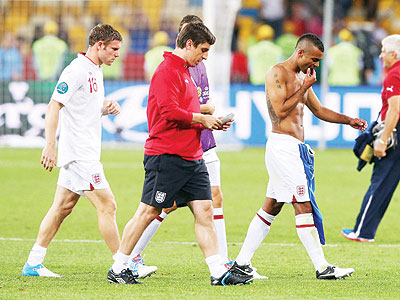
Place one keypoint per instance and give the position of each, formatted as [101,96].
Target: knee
[150,214]
[206,213]
[109,207]
[63,210]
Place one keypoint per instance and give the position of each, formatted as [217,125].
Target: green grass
[27,191]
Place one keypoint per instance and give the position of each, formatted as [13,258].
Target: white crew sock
[215,265]
[219,223]
[258,230]
[147,234]
[36,256]
[121,262]
[308,235]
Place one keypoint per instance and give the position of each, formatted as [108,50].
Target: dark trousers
[384,180]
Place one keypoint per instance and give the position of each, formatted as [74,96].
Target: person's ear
[189,44]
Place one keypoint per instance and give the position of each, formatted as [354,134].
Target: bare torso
[291,81]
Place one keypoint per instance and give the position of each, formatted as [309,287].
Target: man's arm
[48,158]
[279,103]
[392,117]
[331,116]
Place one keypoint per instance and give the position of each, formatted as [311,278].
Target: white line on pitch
[191,243]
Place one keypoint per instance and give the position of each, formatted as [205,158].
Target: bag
[363,147]
[377,131]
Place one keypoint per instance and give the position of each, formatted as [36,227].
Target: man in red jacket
[175,170]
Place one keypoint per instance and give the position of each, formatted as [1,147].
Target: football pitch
[83,259]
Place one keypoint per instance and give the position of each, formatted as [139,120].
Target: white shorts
[287,178]
[79,176]
[213,165]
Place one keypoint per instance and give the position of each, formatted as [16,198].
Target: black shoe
[125,277]
[333,272]
[242,269]
[231,278]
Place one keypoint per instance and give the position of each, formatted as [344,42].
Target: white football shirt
[81,90]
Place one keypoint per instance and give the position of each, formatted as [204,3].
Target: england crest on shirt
[301,190]
[96,178]
[160,196]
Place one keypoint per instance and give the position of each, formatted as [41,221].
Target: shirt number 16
[92,84]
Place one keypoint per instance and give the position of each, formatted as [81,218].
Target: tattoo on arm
[278,84]
[274,118]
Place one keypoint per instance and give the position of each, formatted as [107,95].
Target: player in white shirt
[78,101]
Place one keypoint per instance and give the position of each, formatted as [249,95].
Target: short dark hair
[197,32]
[105,33]
[189,19]
[313,39]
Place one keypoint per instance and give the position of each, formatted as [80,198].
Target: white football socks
[219,223]
[148,234]
[36,256]
[121,262]
[308,235]
[215,265]
[258,230]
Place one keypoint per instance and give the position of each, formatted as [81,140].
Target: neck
[292,64]
[92,54]
[181,53]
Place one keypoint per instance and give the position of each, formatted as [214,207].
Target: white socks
[215,265]
[219,224]
[308,235]
[258,230]
[148,234]
[121,262]
[36,256]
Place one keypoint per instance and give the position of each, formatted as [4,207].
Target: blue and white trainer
[138,267]
[38,270]
[352,236]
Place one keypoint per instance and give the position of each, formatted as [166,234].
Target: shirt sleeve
[392,87]
[68,83]
[167,89]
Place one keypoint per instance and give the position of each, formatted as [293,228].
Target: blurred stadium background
[39,38]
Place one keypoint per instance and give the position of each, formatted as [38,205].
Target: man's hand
[358,124]
[48,159]
[111,107]
[207,108]
[211,122]
[380,148]
[310,78]
[227,125]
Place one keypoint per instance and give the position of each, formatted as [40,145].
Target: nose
[381,55]
[316,64]
[205,55]
[116,53]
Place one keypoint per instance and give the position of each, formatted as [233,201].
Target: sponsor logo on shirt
[199,93]
[62,87]
[390,89]
[160,196]
[187,81]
